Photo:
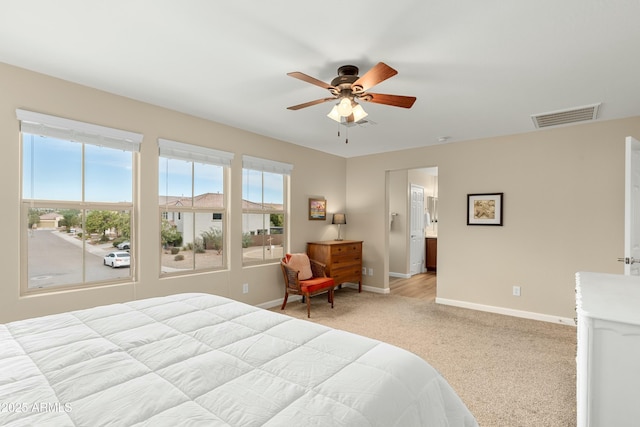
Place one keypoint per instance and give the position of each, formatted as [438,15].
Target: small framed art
[485,209]
[317,209]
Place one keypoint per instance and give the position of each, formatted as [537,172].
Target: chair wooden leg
[308,305]
[331,296]
[284,303]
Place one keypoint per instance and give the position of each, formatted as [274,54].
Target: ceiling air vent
[563,117]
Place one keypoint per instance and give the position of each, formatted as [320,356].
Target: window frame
[195,154]
[75,132]
[267,166]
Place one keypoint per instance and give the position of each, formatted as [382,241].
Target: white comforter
[204,360]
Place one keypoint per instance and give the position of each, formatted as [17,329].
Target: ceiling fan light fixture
[333,114]
[359,113]
[349,87]
[344,107]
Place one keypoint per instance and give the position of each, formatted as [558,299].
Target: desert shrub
[246,240]
[170,236]
[175,251]
[178,257]
[198,246]
[213,239]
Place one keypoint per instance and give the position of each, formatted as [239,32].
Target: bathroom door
[417,242]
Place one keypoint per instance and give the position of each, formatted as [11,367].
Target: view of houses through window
[77,202]
[69,246]
[192,207]
[263,209]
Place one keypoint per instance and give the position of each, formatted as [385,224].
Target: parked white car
[117,259]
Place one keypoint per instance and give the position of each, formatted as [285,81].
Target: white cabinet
[608,357]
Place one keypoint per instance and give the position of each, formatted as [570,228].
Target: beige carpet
[509,371]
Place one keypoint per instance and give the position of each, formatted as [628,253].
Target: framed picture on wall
[485,209]
[317,209]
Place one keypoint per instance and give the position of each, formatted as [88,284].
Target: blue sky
[178,175]
[52,170]
[252,186]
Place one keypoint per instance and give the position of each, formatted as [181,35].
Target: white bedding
[205,360]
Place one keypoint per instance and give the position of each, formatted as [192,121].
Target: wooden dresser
[343,259]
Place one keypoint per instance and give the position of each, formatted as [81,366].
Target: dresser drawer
[346,259]
[347,274]
[349,249]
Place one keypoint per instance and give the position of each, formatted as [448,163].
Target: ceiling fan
[348,87]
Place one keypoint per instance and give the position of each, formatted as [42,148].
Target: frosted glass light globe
[344,107]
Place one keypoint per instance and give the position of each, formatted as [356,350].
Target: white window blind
[194,153]
[264,165]
[73,130]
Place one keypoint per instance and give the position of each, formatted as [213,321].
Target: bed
[205,360]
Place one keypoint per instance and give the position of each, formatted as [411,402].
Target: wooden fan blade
[379,73]
[310,103]
[309,79]
[393,100]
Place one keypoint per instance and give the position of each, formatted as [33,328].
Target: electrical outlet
[245,288]
[516,291]
[370,271]
[364,271]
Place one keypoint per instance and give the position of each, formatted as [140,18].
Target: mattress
[205,360]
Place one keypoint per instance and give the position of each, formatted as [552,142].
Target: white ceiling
[478,68]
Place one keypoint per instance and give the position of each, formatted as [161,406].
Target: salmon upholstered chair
[306,277]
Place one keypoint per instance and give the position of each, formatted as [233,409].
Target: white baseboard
[507,311]
[444,301]
[292,298]
[278,302]
[367,288]
[400,275]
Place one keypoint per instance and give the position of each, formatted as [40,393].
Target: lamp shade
[334,115]
[339,218]
[359,113]
[344,107]
[339,112]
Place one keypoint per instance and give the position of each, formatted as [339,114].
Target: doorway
[632,208]
[412,206]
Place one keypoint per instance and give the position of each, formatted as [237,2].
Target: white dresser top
[611,297]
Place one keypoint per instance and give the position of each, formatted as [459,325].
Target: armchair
[306,277]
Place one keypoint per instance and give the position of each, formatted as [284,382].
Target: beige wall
[314,174]
[398,194]
[563,213]
[563,205]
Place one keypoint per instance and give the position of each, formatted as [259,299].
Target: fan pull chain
[346,141]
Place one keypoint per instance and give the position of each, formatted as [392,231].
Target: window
[264,186]
[77,201]
[192,207]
